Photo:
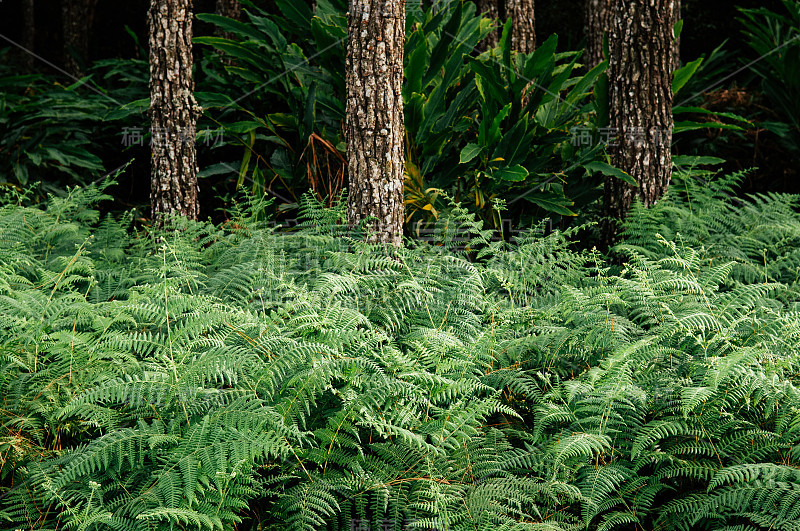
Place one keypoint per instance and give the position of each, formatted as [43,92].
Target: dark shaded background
[707,23]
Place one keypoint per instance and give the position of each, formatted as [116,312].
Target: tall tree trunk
[597,23]
[77,17]
[28,33]
[374,126]
[523,30]
[173,111]
[640,97]
[676,48]
[490,9]
[230,9]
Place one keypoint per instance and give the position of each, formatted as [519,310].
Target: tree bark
[374,126]
[676,48]
[523,29]
[173,111]
[28,33]
[640,97]
[230,9]
[489,9]
[77,18]
[597,23]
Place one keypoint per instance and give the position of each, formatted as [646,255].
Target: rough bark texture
[28,33]
[173,111]
[676,48]
[77,17]
[640,97]
[230,9]
[523,29]
[374,125]
[490,9]
[597,22]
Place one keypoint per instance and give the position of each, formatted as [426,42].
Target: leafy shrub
[45,128]
[286,118]
[774,38]
[54,135]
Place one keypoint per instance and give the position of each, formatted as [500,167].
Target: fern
[248,374]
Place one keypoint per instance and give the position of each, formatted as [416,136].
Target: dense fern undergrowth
[245,377]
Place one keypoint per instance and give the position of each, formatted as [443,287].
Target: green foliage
[759,235]
[775,38]
[53,135]
[482,127]
[287,113]
[215,376]
[45,128]
[497,125]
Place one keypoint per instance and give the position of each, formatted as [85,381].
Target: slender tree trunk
[597,23]
[640,97]
[676,49]
[490,9]
[374,126]
[523,30]
[230,9]
[173,111]
[77,18]
[28,33]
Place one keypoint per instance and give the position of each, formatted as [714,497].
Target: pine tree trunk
[677,44]
[77,18]
[597,23]
[640,98]
[173,111]
[523,30]
[374,126]
[490,9]
[28,33]
[230,9]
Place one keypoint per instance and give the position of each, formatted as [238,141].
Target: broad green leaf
[271,30]
[700,110]
[552,203]
[690,160]
[231,26]
[683,126]
[494,130]
[297,12]
[611,171]
[512,173]
[221,168]
[677,29]
[469,152]
[684,74]
[245,166]
[417,65]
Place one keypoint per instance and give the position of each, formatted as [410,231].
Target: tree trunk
[490,9]
[374,125]
[28,34]
[230,9]
[597,23]
[77,18]
[523,30]
[173,111]
[676,49]
[640,98]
